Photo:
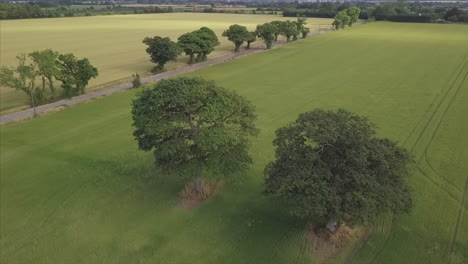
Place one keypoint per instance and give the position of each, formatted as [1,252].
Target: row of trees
[50,10]
[330,167]
[38,72]
[399,11]
[200,43]
[197,45]
[269,32]
[346,18]
[238,34]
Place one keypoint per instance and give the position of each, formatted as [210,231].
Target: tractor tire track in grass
[418,140]
[462,201]
[82,98]
[457,224]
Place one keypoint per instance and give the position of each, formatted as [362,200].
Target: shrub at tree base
[199,189]
[136,82]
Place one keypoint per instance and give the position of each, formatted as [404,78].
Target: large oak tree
[331,167]
[194,128]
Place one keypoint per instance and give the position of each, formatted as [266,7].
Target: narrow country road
[85,97]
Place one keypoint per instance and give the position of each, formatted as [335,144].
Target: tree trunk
[161,66]
[248,45]
[333,226]
[191,58]
[33,105]
[237,46]
[51,86]
[198,186]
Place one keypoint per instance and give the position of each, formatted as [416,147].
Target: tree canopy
[353,13]
[268,33]
[289,29]
[161,51]
[190,44]
[251,37]
[22,77]
[44,67]
[237,34]
[209,42]
[199,42]
[342,19]
[331,166]
[194,127]
[74,74]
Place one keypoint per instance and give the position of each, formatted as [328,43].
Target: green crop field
[113,43]
[75,188]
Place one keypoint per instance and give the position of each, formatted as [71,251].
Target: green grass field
[75,189]
[113,43]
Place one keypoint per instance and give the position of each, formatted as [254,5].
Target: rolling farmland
[75,188]
[113,43]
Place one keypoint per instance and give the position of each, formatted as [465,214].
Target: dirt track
[85,97]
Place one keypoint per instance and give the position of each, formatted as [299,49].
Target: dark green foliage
[191,44]
[278,24]
[161,51]
[342,19]
[136,82]
[46,64]
[74,74]
[209,41]
[251,37]
[194,127]
[384,10]
[301,28]
[331,166]
[268,33]
[23,78]
[200,42]
[353,13]
[305,31]
[236,34]
[288,29]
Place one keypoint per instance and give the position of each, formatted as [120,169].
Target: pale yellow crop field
[113,43]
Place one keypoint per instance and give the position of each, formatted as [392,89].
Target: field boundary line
[9,118]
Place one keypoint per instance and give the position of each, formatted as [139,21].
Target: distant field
[75,189]
[112,43]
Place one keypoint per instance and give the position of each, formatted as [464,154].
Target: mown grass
[113,43]
[75,189]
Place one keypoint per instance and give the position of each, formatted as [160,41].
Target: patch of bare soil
[196,192]
[326,245]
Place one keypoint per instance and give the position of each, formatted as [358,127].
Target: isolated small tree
[23,78]
[331,167]
[251,37]
[267,32]
[74,74]
[136,82]
[161,51]
[353,13]
[191,44]
[46,66]
[194,128]
[236,34]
